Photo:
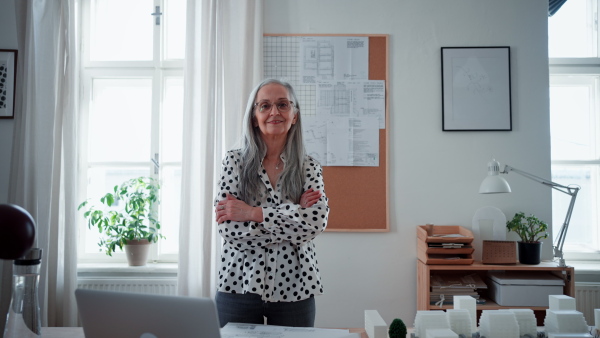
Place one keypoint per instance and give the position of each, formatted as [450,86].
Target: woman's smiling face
[269,111]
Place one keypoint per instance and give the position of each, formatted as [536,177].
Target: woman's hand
[309,198]
[232,209]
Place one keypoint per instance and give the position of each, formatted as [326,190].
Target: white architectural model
[498,324]
[561,302]
[429,320]
[527,322]
[469,303]
[440,333]
[565,321]
[460,321]
[375,325]
[562,321]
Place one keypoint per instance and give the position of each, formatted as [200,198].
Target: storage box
[523,288]
[499,252]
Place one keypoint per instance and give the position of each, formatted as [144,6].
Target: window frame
[158,71]
[574,67]
[579,66]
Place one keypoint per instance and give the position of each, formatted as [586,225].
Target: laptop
[134,315]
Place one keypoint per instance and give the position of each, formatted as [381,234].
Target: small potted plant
[132,224]
[397,329]
[531,230]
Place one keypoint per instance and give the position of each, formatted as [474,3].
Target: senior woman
[270,206]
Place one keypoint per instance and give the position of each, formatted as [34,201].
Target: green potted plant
[531,230]
[132,224]
[397,329]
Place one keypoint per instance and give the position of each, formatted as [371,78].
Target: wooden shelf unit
[424,272]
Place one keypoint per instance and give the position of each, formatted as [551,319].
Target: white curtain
[223,63]
[43,165]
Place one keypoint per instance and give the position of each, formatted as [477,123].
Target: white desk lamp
[494,183]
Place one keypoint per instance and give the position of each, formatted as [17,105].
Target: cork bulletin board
[358,196]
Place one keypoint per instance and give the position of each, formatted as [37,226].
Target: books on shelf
[457,280]
[445,300]
[445,286]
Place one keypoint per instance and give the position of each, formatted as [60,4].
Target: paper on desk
[238,330]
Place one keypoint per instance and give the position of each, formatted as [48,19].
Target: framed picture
[8,76]
[476,89]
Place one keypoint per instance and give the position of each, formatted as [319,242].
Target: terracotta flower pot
[137,252]
[530,253]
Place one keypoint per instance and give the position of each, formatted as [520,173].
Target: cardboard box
[523,288]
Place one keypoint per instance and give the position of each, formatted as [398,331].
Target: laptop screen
[132,315]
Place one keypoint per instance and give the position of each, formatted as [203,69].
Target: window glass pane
[119,123]
[169,208]
[574,123]
[571,118]
[121,30]
[132,117]
[174,15]
[582,234]
[172,120]
[572,31]
[100,182]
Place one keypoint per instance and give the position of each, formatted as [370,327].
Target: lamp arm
[560,240]
[553,185]
[571,191]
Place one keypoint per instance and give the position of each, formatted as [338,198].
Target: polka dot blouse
[275,258]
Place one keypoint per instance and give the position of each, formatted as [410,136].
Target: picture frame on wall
[476,90]
[8,77]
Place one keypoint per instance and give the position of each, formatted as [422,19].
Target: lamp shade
[494,183]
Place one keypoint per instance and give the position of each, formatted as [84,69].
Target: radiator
[157,286]
[587,296]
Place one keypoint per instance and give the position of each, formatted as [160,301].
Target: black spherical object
[17,231]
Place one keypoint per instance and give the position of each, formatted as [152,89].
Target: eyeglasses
[283,106]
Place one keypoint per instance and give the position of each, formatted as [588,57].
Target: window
[572,31]
[575,122]
[132,106]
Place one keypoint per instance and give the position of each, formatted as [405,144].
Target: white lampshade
[494,183]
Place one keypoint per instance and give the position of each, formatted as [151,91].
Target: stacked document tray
[444,244]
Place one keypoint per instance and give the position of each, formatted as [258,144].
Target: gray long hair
[254,150]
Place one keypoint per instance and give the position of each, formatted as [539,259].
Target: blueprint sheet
[236,330]
[334,58]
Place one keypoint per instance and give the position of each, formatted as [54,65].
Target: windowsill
[156,270]
[585,267]
[586,271]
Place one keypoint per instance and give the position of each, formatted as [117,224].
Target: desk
[77,332]
[363,333]
[62,332]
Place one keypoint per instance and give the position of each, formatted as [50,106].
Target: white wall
[434,175]
[8,40]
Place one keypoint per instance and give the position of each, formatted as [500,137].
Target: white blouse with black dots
[275,258]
